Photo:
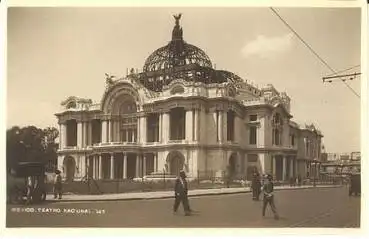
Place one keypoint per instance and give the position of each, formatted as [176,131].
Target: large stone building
[181,113]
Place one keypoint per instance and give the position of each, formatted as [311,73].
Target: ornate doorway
[175,162]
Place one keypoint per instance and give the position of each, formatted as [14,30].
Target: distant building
[356,156]
[182,114]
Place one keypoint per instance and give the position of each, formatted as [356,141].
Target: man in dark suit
[181,190]
[268,189]
[256,186]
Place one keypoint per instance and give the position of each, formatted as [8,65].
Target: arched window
[127,107]
[128,125]
[177,90]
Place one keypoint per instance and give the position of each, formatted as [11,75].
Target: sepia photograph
[183,117]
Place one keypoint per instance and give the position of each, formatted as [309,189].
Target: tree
[31,144]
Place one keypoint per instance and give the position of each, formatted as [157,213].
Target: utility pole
[330,79]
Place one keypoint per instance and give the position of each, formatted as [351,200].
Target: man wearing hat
[57,185]
[269,196]
[181,190]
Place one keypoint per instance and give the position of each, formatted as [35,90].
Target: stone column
[100,167]
[124,165]
[220,126]
[63,135]
[108,131]
[111,127]
[160,127]
[88,166]
[60,137]
[196,125]
[216,119]
[274,168]
[284,172]
[260,133]
[296,169]
[166,127]
[112,166]
[89,126]
[138,166]
[291,167]
[85,134]
[138,136]
[143,129]
[155,162]
[144,165]
[94,176]
[104,131]
[79,134]
[224,126]
[189,125]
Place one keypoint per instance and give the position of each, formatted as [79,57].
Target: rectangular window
[293,140]
[124,135]
[252,158]
[253,133]
[230,125]
[130,133]
[253,117]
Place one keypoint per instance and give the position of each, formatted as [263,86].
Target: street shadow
[271,218]
[194,213]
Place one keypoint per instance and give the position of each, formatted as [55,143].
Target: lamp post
[315,163]
[341,173]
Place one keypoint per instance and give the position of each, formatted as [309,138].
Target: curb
[167,196]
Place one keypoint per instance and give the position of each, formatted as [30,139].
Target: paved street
[318,207]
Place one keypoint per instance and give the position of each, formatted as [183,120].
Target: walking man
[256,185]
[269,196]
[181,190]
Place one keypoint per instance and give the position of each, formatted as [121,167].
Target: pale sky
[54,53]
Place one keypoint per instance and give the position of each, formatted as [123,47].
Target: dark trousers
[57,191]
[255,193]
[184,200]
[270,201]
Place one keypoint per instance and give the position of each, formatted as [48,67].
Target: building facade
[180,113]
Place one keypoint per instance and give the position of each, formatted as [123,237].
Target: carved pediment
[76,103]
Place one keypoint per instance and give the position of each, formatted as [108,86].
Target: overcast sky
[54,53]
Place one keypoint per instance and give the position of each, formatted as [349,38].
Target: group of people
[264,185]
[32,186]
[267,187]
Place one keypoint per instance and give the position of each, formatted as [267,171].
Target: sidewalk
[167,194]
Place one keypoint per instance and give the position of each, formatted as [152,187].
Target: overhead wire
[312,50]
[353,67]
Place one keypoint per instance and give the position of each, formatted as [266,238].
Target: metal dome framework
[180,60]
[176,54]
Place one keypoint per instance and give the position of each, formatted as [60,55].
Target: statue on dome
[177,17]
[177,32]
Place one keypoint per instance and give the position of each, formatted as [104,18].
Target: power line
[311,49]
